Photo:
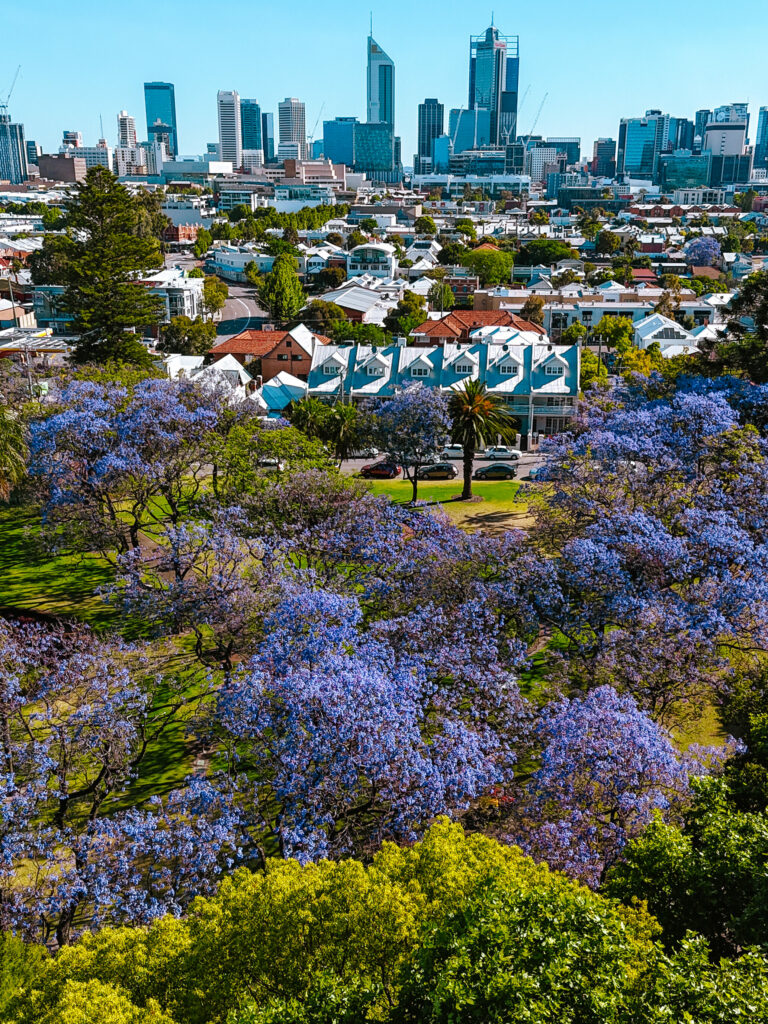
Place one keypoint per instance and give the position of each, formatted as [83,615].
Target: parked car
[269,462]
[502,452]
[366,453]
[499,471]
[381,471]
[452,451]
[440,471]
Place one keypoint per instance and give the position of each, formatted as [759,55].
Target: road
[526,462]
[240,311]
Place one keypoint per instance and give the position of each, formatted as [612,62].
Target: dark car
[381,471]
[498,471]
[440,471]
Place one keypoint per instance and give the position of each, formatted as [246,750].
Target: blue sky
[596,61]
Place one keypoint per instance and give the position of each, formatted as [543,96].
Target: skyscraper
[160,106]
[732,113]
[381,85]
[292,125]
[126,130]
[700,122]
[268,137]
[72,138]
[13,150]
[494,72]
[431,125]
[230,129]
[604,158]
[761,142]
[641,141]
[250,123]
[339,140]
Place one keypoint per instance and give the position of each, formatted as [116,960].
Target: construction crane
[4,103]
[314,126]
[536,119]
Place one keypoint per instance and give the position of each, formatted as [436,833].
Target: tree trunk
[415,484]
[469,458]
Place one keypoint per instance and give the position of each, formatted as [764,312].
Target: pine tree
[105,255]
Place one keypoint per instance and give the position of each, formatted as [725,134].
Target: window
[553,370]
[330,371]
[463,368]
[419,371]
[282,357]
[287,342]
[508,370]
[296,357]
[586,316]
[375,371]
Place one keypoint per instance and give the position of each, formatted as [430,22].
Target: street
[526,462]
[240,311]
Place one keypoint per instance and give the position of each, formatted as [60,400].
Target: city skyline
[438,68]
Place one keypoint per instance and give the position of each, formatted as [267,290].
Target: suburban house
[275,351]
[673,339]
[459,324]
[537,380]
[376,258]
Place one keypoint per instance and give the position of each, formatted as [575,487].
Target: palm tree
[478,417]
[342,430]
[13,454]
[309,415]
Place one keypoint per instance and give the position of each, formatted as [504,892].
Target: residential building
[539,159]
[380,86]
[13,151]
[268,137]
[339,140]
[230,127]
[431,125]
[460,324]
[62,167]
[537,381]
[100,155]
[377,259]
[494,68]
[293,129]
[160,107]
[274,351]
[672,339]
[126,130]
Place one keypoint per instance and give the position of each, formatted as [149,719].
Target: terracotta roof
[486,247]
[460,322]
[705,272]
[251,343]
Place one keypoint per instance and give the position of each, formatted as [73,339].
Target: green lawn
[33,580]
[499,508]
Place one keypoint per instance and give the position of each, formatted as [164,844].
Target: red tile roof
[250,343]
[459,322]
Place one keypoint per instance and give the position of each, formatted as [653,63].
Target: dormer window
[329,370]
[508,370]
[375,371]
[463,368]
[553,370]
[419,371]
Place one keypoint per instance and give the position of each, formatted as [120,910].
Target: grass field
[498,510]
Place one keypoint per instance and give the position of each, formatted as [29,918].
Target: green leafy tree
[573,333]
[281,291]
[539,217]
[441,296]
[356,238]
[330,278]
[309,415]
[344,430]
[409,313]
[425,225]
[203,243]
[491,267]
[607,243]
[334,238]
[533,309]
[323,317]
[465,226]
[478,418]
[593,370]
[611,331]
[544,251]
[100,262]
[189,337]
[196,273]
[215,295]
[368,225]
[13,453]
[451,254]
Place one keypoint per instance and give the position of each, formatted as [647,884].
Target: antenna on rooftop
[371,23]
[101,126]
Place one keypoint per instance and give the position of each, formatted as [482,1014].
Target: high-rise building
[292,125]
[725,138]
[100,155]
[33,151]
[431,125]
[681,134]
[377,152]
[494,71]
[72,138]
[230,129]
[339,140]
[604,158]
[381,85]
[126,130]
[731,113]
[13,150]
[268,137]
[570,146]
[469,129]
[641,141]
[700,122]
[761,142]
[250,125]
[160,106]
